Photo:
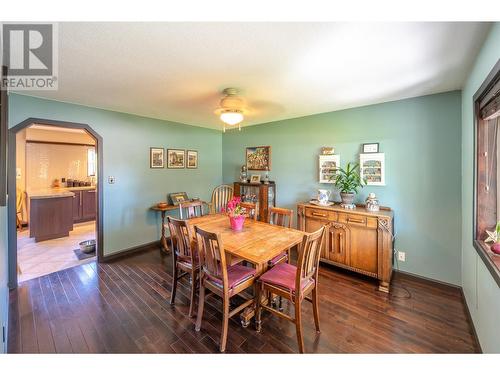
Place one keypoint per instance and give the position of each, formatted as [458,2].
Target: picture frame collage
[175,158]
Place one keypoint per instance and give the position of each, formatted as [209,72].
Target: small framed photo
[370,148]
[177,198]
[176,159]
[192,159]
[255,179]
[156,157]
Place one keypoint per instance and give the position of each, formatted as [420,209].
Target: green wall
[421,141]
[481,291]
[126,139]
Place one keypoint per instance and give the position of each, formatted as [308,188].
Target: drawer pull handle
[341,244]
[318,214]
[351,220]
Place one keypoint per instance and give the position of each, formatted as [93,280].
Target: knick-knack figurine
[266,177]
[372,203]
[243,174]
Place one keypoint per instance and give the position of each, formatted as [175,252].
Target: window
[487,167]
[91,166]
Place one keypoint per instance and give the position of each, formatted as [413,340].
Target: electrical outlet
[401,256]
[111,179]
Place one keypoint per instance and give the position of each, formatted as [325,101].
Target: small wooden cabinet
[358,240]
[84,205]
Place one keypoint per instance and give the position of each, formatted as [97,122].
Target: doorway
[55,170]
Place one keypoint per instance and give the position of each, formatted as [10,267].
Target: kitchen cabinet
[50,216]
[84,205]
[358,240]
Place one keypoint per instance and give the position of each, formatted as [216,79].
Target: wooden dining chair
[294,283]
[251,209]
[223,281]
[188,210]
[185,257]
[220,196]
[284,218]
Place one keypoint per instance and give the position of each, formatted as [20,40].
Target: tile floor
[42,258]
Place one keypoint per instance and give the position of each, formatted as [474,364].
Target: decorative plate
[316,202]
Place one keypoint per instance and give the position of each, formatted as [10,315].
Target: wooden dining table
[257,243]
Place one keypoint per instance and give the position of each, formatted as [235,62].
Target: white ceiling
[176,71]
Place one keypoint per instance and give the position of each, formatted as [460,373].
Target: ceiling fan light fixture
[231,110]
[231,116]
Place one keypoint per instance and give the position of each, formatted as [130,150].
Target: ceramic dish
[316,202]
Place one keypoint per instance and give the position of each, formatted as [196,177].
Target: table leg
[248,313]
[163,239]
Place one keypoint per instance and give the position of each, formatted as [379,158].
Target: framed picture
[156,157]
[192,159]
[258,158]
[177,198]
[328,165]
[369,148]
[255,179]
[372,168]
[176,159]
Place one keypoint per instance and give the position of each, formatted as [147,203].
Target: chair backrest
[182,240]
[281,216]
[309,253]
[190,209]
[251,209]
[220,196]
[212,256]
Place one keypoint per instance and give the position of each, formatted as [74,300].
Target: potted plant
[348,181]
[495,238]
[236,213]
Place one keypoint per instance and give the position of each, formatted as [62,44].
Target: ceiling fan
[232,108]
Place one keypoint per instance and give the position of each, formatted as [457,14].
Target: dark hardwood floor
[122,307]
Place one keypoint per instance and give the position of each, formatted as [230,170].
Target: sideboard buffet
[358,240]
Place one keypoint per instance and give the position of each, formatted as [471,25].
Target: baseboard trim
[129,251]
[469,317]
[444,283]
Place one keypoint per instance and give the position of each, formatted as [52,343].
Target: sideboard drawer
[359,220]
[318,213]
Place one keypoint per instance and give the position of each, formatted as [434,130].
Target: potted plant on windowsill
[495,238]
[236,213]
[348,181]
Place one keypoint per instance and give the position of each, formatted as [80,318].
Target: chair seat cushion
[283,275]
[236,275]
[278,258]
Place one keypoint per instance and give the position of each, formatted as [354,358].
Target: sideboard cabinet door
[337,243]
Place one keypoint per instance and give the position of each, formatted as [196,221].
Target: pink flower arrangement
[233,208]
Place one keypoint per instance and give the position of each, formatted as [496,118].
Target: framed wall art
[370,148]
[176,159]
[372,168]
[192,159]
[156,157]
[176,198]
[258,158]
[328,165]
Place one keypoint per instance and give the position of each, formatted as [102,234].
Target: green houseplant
[348,181]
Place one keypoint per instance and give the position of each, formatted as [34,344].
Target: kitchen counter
[57,192]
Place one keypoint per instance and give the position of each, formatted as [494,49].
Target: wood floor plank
[124,307]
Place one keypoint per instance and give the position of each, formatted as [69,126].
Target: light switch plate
[401,256]
[111,179]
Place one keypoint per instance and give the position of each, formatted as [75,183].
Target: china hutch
[263,195]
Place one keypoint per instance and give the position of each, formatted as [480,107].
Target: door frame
[11,188]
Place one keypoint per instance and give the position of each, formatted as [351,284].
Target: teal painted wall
[126,141]
[4,292]
[481,291]
[421,141]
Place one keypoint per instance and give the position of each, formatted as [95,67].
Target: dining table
[257,243]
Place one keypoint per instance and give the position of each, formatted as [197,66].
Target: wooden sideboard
[358,240]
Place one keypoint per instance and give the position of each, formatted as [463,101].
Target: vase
[495,248]
[237,222]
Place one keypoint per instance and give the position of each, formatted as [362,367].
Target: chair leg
[280,303]
[193,293]
[315,303]
[258,309]
[201,303]
[298,325]
[174,284]
[225,323]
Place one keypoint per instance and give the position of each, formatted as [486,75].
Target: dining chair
[223,281]
[185,257]
[251,209]
[294,283]
[220,196]
[282,217]
[191,209]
